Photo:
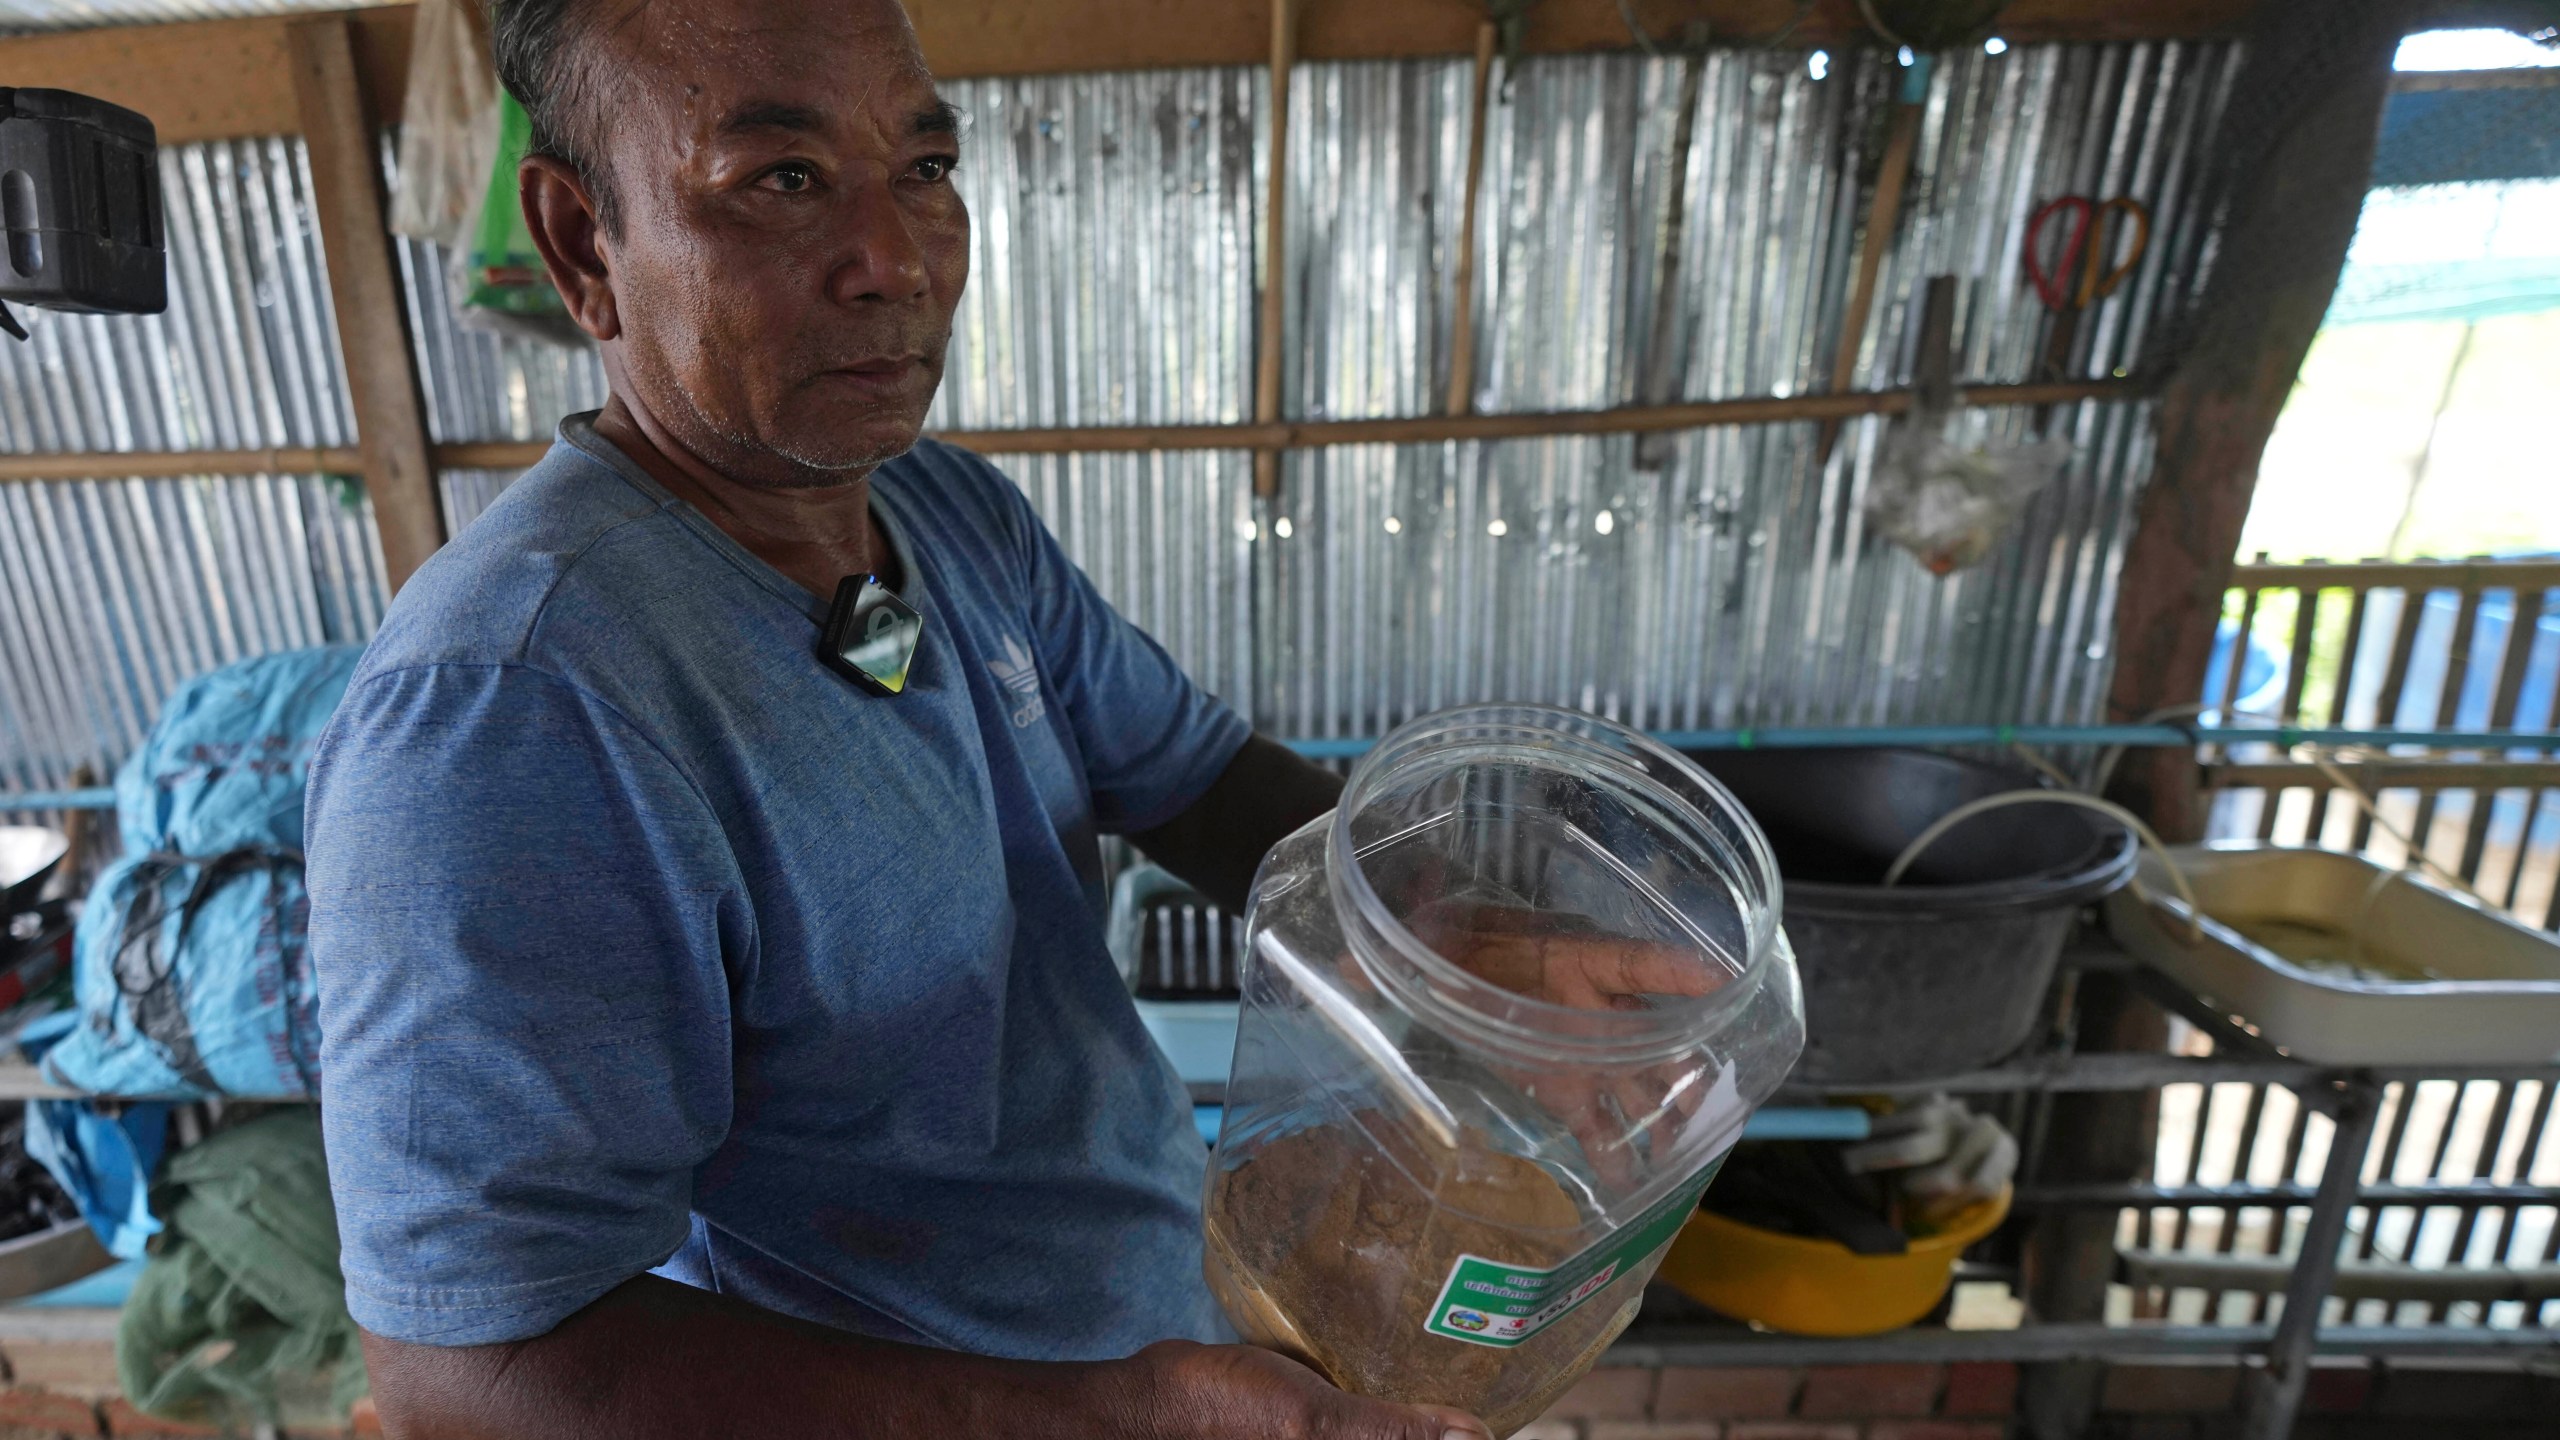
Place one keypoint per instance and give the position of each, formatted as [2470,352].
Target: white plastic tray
[2497,1003]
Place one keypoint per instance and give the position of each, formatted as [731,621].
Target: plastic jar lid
[1579,824]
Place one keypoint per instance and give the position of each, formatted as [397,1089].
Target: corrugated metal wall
[112,592]
[1735,583]
[1116,241]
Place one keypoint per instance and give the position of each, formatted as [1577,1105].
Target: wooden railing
[2334,624]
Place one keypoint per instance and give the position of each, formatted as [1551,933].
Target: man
[713,1045]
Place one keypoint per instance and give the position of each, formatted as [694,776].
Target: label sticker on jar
[1486,1302]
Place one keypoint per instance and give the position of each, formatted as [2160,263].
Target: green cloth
[240,1315]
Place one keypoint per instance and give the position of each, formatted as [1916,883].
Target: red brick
[1788,1430]
[2169,1389]
[1980,1387]
[43,1412]
[2338,1389]
[123,1419]
[1938,1430]
[1743,1392]
[1656,1430]
[1866,1392]
[1621,1394]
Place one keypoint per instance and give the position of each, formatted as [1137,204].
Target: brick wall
[2150,1400]
[1836,1402]
[63,1389]
[2346,1399]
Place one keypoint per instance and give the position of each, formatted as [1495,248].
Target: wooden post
[1275,245]
[373,327]
[80,828]
[1462,336]
[1884,216]
[1653,452]
[2070,1254]
[2316,80]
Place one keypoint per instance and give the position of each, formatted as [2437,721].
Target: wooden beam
[1433,429]
[226,79]
[208,79]
[2410,82]
[1462,319]
[2400,575]
[2299,142]
[172,464]
[1884,218]
[1108,439]
[1275,245]
[373,325]
[1660,378]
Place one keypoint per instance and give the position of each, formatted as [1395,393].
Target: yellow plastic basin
[1820,1287]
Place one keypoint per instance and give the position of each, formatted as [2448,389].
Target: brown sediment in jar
[1320,1247]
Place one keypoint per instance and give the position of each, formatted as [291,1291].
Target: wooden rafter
[209,79]
[225,79]
[1097,439]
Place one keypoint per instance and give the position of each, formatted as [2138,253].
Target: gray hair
[536,45]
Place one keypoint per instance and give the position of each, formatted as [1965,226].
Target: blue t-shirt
[646,941]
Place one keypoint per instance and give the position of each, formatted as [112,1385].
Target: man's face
[792,247]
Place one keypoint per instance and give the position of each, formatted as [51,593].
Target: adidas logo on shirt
[1015,671]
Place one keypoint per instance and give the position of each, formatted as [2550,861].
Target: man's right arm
[654,1358]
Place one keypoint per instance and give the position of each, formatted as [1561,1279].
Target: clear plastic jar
[1505,1010]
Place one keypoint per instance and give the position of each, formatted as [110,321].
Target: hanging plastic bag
[448,124]
[499,273]
[1945,502]
[461,138]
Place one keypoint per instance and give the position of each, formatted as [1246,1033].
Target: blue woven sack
[191,966]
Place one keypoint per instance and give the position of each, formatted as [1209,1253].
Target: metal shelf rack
[1673,1331]
[2350,1096]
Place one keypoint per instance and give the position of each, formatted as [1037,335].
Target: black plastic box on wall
[80,205]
